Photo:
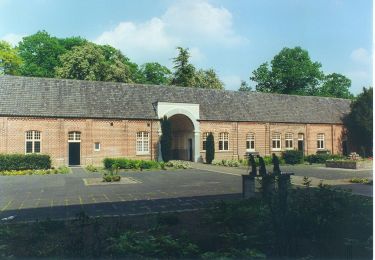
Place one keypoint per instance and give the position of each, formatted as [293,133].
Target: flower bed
[348,164]
[60,170]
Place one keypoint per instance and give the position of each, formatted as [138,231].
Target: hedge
[292,157]
[124,163]
[322,157]
[10,162]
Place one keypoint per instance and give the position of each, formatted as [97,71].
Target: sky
[232,37]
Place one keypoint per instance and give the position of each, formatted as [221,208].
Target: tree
[94,62]
[70,42]
[207,79]
[358,123]
[166,139]
[291,72]
[154,73]
[336,85]
[184,71]
[10,61]
[40,54]
[244,86]
[210,148]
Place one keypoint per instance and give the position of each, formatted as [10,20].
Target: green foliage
[154,73]
[94,62]
[358,123]
[335,85]
[207,79]
[229,163]
[184,71]
[361,180]
[112,175]
[10,162]
[322,157]
[210,148]
[293,157]
[178,164]
[10,61]
[59,170]
[292,72]
[136,244]
[244,87]
[92,168]
[124,163]
[40,54]
[166,139]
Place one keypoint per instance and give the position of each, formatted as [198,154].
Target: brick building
[82,122]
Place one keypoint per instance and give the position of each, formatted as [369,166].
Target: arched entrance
[182,137]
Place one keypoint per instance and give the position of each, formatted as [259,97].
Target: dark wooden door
[300,145]
[74,153]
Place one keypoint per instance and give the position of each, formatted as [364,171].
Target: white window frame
[74,137]
[320,142]
[142,143]
[289,141]
[250,142]
[276,137]
[204,140]
[33,136]
[223,138]
[99,146]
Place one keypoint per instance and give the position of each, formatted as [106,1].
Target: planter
[349,164]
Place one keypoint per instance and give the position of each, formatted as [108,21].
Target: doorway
[301,143]
[74,143]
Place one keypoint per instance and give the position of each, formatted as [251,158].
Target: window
[223,142]
[288,141]
[250,142]
[276,141]
[97,146]
[33,141]
[205,140]
[74,137]
[320,141]
[142,144]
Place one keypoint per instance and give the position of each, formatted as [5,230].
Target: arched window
[320,141]
[32,141]
[223,141]
[276,141]
[74,136]
[142,143]
[289,141]
[250,142]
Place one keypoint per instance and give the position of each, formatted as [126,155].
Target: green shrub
[124,163]
[293,157]
[24,162]
[178,164]
[60,170]
[91,168]
[63,169]
[322,157]
[210,148]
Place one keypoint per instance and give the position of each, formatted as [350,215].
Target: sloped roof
[44,97]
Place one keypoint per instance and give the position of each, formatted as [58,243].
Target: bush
[124,163]
[178,164]
[321,157]
[91,168]
[60,170]
[210,148]
[10,162]
[293,157]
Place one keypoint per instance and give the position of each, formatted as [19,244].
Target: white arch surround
[189,110]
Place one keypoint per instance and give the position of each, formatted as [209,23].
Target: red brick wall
[119,139]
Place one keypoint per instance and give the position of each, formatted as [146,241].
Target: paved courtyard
[63,196]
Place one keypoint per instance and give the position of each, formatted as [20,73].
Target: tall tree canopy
[154,73]
[184,71]
[244,86]
[207,79]
[94,62]
[335,85]
[10,61]
[358,122]
[40,54]
[291,72]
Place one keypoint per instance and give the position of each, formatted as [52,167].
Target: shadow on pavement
[117,208]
